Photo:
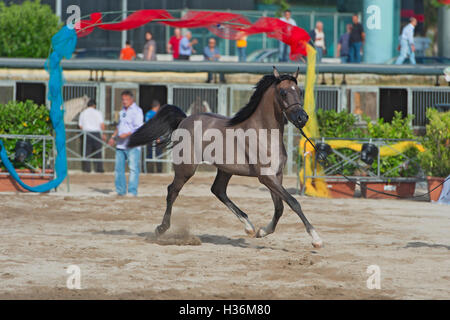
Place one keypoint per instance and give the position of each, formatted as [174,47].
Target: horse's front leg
[274,185]
[270,228]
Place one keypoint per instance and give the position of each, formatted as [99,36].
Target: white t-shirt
[91,120]
[290,21]
[320,39]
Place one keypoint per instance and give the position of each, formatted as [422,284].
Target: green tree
[26,30]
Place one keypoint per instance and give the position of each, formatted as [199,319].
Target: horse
[276,100]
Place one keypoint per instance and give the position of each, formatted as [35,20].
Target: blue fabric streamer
[63,45]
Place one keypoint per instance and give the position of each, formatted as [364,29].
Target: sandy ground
[207,255]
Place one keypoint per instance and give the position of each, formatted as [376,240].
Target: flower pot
[397,189]
[8,184]
[341,188]
[433,182]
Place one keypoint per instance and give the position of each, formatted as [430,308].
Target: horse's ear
[295,75]
[275,72]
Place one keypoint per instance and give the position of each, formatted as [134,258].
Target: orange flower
[25,124]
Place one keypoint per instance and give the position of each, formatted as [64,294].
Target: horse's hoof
[159,231]
[317,244]
[261,233]
[250,232]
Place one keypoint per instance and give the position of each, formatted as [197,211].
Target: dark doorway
[148,93]
[30,91]
[392,100]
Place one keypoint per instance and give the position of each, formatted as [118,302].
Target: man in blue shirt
[158,150]
[343,48]
[211,53]
[186,46]
[131,118]
[407,47]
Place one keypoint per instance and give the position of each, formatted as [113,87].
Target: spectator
[91,122]
[128,52]
[318,38]
[343,48]
[211,53]
[130,119]
[284,48]
[186,46]
[149,47]
[357,37]
[158,150]
[407,48]
[241,45]
[173,46]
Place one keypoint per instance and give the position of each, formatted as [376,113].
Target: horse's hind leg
[219,189]
[270,228]
[182,174]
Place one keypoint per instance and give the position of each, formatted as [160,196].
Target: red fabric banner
[223,24]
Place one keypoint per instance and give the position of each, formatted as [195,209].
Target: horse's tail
[159,128]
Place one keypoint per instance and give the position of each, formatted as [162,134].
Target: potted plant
[25,118]
[435,161]
[334,124]
[395,166]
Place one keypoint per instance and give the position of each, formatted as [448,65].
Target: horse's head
[290,98]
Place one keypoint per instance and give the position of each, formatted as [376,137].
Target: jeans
[319,55]
[284,52]
[355,52]
[242,54]
[133,157]
[405,51]
[344,59]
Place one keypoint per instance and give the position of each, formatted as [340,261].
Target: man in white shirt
[91,121]
[284,48]
[318,37]
[407,47]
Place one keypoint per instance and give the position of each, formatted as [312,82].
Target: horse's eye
[283,93]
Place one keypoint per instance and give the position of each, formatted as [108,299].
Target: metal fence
[48,154]
[365,172]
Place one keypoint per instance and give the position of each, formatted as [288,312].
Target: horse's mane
[260,88]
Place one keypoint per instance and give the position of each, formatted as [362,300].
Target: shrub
[399,128]
[334,124]
[435,161]
[26,30]
[26,118]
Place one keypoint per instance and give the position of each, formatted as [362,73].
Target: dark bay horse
[276,98]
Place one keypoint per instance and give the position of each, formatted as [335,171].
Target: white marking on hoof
[317,242]
[249,228]
[261,233]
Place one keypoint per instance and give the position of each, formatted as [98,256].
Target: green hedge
[26,30]
[334,124]
[26,118]
[435,160]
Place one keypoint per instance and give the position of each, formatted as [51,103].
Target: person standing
[343,48]
[149,48]
[357,37]
[284,48]
[407,48]
[91,122]
[156,105]
[173,46]
[241,44]
[128,52]
[211,53]
[318,38]
[131,118]
[187,46]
